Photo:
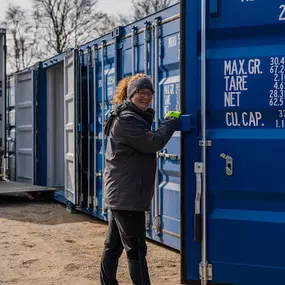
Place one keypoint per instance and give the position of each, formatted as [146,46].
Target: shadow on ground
[40,210]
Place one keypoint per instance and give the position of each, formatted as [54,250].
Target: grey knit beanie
[139,84]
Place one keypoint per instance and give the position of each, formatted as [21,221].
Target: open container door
[25,127]
[10,129]
[3,96]
[70,90]
[239,84]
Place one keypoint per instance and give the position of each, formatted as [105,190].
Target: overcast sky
[108,6]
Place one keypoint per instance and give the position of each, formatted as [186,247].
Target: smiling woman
[129,175]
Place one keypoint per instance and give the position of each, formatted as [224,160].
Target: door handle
[185,124]
[166,155]
[214,12]
[197,220]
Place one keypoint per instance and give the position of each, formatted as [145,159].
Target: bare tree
[68,23]
[142,8]
[22,38]
[123,19]
[106,26]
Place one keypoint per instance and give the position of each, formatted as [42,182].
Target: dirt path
[41,244]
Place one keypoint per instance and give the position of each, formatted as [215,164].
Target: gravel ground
[42,244]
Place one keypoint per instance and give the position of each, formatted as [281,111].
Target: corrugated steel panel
[25,127]
[70,92]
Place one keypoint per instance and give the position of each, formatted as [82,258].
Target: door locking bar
[166,155]
[205,269]
[197,221]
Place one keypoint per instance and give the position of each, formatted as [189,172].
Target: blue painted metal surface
[245,121]
[54,60]
[59,197]
[41,126]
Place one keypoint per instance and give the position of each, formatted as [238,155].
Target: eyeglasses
[143,93]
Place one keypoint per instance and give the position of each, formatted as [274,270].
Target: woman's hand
[175,114]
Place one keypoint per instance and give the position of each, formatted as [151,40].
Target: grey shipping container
[10,128]
[19,124]
[2,91]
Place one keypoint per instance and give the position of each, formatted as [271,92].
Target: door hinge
[157,225]
[89,201]
[147,220]
[205,272]
[205,143]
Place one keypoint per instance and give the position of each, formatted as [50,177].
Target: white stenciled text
[276,93]
[236,83]
[232,99]
[282,13]
[237,75]
[241,67]
[174,41]
[244,119]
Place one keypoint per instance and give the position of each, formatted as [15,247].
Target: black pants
[126,231]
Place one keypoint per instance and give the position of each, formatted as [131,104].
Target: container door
[2,89]
[166,210]
[11,124]
[25,147]
[242,241]
[70,89]
[83,136]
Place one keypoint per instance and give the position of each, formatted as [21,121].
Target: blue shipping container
[232,84]
[149,46]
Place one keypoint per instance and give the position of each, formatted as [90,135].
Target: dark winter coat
[129,176]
